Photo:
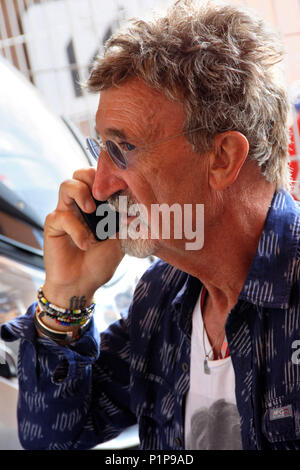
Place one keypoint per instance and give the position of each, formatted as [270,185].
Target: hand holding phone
[74,265]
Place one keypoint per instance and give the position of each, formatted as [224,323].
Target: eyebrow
[113,132]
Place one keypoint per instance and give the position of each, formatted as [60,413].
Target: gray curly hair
[221,61]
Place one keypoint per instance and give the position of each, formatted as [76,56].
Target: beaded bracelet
[64,316]
[44,301]
[61,337]
[65,321]
[75,317]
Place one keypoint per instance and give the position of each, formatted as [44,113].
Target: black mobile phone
[103,222]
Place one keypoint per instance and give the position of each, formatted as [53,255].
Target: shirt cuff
[83,351]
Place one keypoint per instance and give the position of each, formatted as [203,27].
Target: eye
[127,146]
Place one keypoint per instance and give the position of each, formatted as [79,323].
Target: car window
[19,231]
[37,150]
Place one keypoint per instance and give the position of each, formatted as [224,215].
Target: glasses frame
[95,148]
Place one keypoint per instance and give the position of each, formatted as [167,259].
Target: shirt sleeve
[71,397]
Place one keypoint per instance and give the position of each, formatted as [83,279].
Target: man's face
[136,117]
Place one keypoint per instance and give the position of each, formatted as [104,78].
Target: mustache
[114,203]
[114,200]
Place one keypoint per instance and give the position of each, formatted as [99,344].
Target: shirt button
[177,442]
[185,367]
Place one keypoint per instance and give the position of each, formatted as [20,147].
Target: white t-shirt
[211,417]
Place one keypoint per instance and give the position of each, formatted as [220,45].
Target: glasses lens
[116,154]
[93,147]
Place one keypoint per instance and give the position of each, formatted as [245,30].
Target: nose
[108,178]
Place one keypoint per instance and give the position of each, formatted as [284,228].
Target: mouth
[123,207]
[126,219]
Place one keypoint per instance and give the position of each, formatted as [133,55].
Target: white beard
[140,247]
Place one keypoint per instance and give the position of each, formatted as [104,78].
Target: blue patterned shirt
[137,371]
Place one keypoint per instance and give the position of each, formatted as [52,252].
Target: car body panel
[37,152]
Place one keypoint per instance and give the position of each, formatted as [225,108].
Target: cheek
[168,181]
[163,178]
[142,187]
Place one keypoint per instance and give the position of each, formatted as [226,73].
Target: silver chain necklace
[206,354]
[206,359]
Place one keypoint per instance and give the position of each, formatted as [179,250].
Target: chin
[139,248]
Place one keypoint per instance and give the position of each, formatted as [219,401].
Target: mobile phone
[103,222]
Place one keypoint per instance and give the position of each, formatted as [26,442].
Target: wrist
[69,297]
[51,323]
[63,337]
[60,318]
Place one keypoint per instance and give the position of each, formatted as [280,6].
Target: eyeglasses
[117,154]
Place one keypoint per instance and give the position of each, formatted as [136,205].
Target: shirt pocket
[282,423]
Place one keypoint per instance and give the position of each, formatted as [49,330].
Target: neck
[231,240]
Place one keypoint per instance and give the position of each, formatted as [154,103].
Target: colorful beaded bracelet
[54,313]
[45,302]
[61,337]
[65,321]
[68,317]
[64,316]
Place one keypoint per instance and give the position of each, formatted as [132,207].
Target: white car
[38,150]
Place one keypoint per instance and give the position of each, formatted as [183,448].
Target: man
[191,112]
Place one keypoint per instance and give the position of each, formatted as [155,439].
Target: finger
[65,223]
[85,175]
[78,191]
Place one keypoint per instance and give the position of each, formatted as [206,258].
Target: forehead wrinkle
[138,121]
[139,111]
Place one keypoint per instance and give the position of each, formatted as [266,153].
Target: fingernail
[90,205]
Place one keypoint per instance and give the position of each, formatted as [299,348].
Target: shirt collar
[271,275]
[272,272]
[184,302]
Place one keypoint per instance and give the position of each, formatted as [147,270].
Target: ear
[229,154]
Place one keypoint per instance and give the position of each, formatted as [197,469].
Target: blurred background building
[53,43]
